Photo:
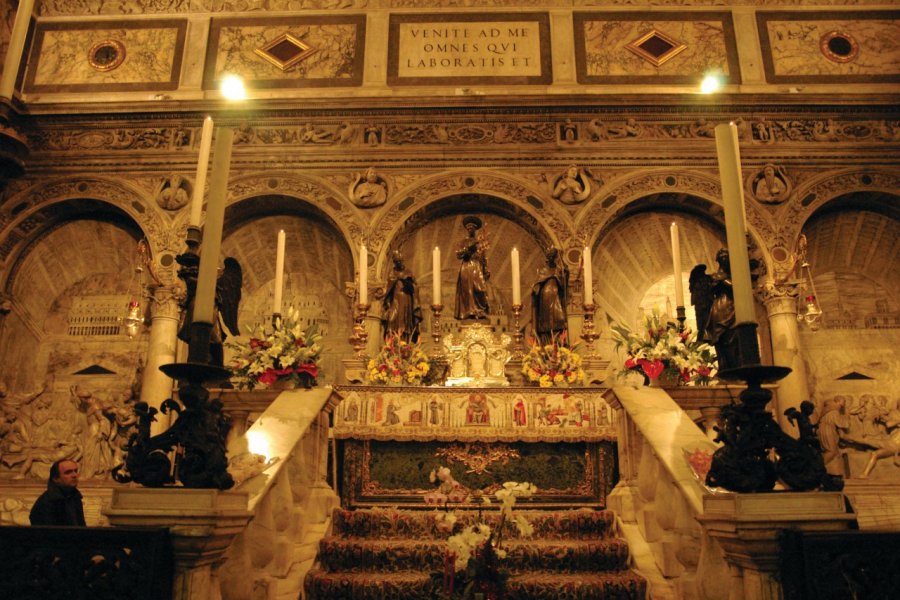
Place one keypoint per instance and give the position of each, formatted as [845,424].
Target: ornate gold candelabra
[437,350]
[360,335]
[588,333]
[518,350]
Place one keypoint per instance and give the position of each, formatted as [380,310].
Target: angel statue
[713,300]
[228,297]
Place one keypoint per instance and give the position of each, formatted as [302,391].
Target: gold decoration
[106,55]
[656,47]
[478,457]
[285,51]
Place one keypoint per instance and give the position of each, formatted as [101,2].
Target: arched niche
[80,259]
[318,266]
[439,224]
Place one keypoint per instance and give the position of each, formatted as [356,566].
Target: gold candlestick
[588,334]
[437,351]
[360,335]
[518,350]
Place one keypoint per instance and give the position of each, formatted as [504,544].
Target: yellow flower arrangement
[399,363]
[553,365]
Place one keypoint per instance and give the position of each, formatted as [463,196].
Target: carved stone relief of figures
[702,128]
[597,130]
[568,132]
[571,187]
[373,135]
[368,191]
[314,135]
[770,184]
[630,128]
[174,193]
[346,133]
[244,134]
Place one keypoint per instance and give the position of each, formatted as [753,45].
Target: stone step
[389,555]
[412,585]
[378,523]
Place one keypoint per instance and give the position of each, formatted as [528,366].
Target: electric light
[232,88]
[711,83]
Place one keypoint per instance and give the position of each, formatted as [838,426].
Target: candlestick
[588,278]
[518,351]
[516,283]
[359,330]
[729,156]
[436,276]
[202,165]
[676,265]
[204,301]
[279,274]
[363,275]
[14,49]
[437,350]
[588,333]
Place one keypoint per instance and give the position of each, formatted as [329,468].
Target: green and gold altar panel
[390,472]
[473,414]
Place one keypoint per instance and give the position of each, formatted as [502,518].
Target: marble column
[781,306]
[157,386]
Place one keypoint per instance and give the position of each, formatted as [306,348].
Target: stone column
[157,386]
[781,306]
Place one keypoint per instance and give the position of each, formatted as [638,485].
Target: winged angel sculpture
[228,298]
[713,300]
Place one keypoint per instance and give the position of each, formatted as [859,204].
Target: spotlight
[711,83]
[232,88]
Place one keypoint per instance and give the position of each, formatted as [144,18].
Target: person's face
[68,474]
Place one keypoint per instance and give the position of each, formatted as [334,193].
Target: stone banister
[704,545]
[258,539]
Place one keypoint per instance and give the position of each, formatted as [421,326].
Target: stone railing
[257,540]
[703,545]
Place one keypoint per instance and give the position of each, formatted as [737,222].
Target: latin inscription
[489,49]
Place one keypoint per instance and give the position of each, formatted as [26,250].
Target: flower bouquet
[553,365]
[660,348]
[399,363]
[287,351]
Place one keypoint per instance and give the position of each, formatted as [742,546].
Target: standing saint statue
[713,300]
[401,313]
[548,300]
[471,284]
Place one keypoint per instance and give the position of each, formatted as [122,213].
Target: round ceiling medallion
[839,47]
[107,55]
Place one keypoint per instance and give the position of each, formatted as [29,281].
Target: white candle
[202,164]
[363,274]
[733,198]
[279,274]
[676,264]
[516,283]
[14,50]
[588,278]
[204,301]
[436,275]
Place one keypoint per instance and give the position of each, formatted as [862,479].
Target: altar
[388,439]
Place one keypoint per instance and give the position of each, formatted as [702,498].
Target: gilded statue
[368,191]
[471,283]
[548,300]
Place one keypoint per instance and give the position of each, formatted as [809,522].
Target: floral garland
[399,363]
[553,365]
[286,351]
[662,347]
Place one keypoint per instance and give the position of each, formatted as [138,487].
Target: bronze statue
[548,300]
[228,297]
[401,313]
[713,300]
[471,284]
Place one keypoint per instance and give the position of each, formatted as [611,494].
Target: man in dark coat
[61,503]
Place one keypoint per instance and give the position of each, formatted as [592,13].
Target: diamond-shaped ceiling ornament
[656,47]
[285,51]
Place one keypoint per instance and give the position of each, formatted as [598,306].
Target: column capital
[167,301]
[780,297]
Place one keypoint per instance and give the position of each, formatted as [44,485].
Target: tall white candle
[729,156]
[279,274]
[363,274]
[14,50]
[202,165]
[436,275]
[204,301]
[516,282]
[588,278]
[676,264]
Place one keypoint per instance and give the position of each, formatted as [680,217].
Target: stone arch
[41,208]
[519,202]
[320,196]
[679,191]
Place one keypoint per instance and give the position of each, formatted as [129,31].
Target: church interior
[370,139]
